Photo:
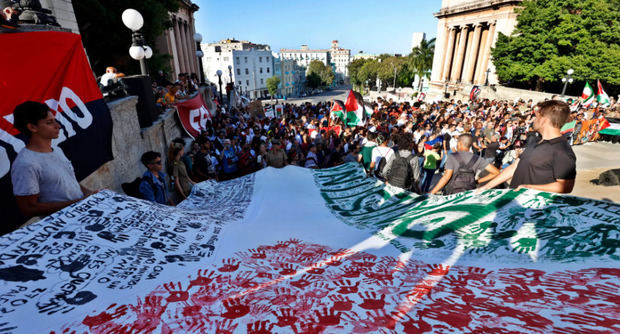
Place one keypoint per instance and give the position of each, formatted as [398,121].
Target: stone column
[178,42]
[192,32]
[183,46]
[441,42]
[484,60]
[188,49]
[481,52]
[460,54]
[473,55]
[447,59]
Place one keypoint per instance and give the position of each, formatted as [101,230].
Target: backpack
[464,178]
[401,173]
[133,188]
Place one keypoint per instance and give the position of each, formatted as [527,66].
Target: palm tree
[421,59]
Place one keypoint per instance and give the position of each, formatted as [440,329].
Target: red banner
[193,115]
[51,67]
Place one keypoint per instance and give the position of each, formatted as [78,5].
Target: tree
[353,69]
[313,81]
[552,36]
[272,85]
[106,38]
[421,59]
[325,73]
[368,72]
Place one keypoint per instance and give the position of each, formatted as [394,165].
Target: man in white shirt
[43,178]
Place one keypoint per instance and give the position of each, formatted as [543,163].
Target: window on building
[246,71]
[245,59]
[239,83]
[225,58]
[247,82]
[267,69]
[260,59]
[261,70]
[237,59]
[238,71]
[261,81]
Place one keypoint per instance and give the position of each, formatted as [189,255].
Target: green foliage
[420,60]
[272,85]
[313,81]
[325,73]
[353,69]
[554,35]
[106,38]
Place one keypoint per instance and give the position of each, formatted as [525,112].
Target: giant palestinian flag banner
[50,67]
[295,250]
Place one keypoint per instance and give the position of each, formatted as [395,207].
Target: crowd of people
[467,144]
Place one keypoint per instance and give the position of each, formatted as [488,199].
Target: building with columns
[466,32]
[178,41]
[337,57]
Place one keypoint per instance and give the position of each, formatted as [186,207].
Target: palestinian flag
[587,96]
[475,91]
[337,110]
[356,112]
[601,97]
[568,127]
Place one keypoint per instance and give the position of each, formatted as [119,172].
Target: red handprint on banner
[176,294]
[345,286]
[229,265]
[235,308]
[372,301]
[104,317]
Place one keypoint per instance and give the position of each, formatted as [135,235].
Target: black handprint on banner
[81,298]
[173,237]
[562,231]
[163,247]
[107,235]
[75,265]
[69,234]
[95,219]
[29,260]
[182,258]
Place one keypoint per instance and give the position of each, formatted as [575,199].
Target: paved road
[339,93]
[597,155]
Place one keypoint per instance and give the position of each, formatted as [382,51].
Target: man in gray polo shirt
[43,178]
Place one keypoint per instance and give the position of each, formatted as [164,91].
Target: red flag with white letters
[193,115]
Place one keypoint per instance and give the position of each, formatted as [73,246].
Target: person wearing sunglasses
[153,186]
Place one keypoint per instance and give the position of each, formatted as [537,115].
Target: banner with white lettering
[194,115]
[51,67]
[295,250]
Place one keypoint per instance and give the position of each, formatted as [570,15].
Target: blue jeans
[428,178]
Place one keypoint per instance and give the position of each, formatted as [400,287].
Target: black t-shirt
[545,162]
[491,150]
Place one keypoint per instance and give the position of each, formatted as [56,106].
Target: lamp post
[230,73]
[445,93]
[394,84]
[567,79]
[486,81]
[199,54]
[133,20]
[219,79]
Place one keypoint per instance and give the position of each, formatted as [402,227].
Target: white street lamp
[148,52]
[567,79]
[199,54]
[137,52]
[132,19]
[197,38]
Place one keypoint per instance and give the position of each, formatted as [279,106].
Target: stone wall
[129,142]
[63,10]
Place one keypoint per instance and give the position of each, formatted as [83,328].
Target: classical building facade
[178,41]
[63,11]
[466,32]
[250,64]
[337,57]
[305,55]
